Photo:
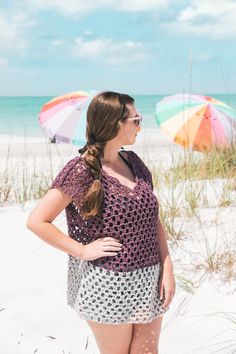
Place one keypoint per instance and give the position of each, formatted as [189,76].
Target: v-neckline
[136,179]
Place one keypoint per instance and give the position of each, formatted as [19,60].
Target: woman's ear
[120,124]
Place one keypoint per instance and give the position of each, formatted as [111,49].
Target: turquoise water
[19,115]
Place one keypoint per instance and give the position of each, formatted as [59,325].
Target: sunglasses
[137,119]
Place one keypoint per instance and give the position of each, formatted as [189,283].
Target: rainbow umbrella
[64,119]
[197,121]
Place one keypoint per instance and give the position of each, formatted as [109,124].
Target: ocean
[19,115]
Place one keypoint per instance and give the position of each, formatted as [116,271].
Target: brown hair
[104,114]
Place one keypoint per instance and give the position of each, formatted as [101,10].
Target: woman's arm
[164,252]
[167,281]
[40,222]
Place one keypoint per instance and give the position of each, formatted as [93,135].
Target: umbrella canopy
[64,118]
[196,121]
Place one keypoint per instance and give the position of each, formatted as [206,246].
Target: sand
[34,313]
[35,317]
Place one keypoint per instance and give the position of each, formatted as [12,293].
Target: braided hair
[105,113]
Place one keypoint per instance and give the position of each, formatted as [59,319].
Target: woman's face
[129,129]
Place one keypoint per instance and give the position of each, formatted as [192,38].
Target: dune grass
[215,344]
[23,179]
[194,182]
[208,165]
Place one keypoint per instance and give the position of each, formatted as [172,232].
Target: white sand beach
[167,69]
[34,316]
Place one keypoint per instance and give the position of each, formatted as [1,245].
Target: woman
[120,275]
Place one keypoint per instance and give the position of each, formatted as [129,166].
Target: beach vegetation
[195,191]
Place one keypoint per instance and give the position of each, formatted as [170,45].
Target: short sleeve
[74,179]
[142,169]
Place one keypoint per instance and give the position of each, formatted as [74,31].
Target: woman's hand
[102,247]
[167,286]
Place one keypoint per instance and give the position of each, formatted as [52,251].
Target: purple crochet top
[129,215]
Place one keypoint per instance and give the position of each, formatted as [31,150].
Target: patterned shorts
[107,296]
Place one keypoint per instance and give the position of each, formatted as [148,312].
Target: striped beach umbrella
[197,121]
[63,119]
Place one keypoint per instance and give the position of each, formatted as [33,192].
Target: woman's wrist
[80,250]
[167,263]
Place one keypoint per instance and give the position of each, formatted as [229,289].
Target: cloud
[109,51]
[57,43]
[76,8]
[141,5]
[3,63]
[87,33]
[205,18]
[14,27]
[203,57]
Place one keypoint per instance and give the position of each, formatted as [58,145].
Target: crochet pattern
[129,215]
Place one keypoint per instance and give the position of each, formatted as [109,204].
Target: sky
[131,46]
